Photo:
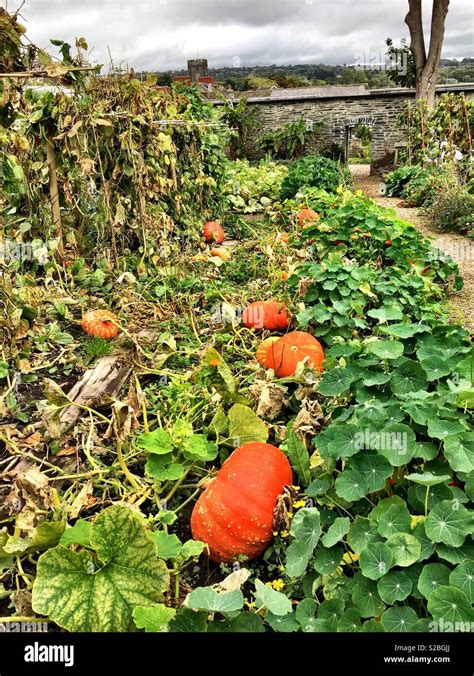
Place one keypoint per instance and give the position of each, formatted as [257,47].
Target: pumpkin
[213,232]
[101,323]
[262,349]
[234,515]
[266,314]
[287,352]
[221,253]
[284,275]
[305,216]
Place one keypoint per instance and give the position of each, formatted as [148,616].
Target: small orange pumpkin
[221,253]
[101,323]
[262,349]
[305,216]
[266,314]
[213,232]
[284,275]
[287,352]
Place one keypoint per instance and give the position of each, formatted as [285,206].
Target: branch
[414,21]
[44,73]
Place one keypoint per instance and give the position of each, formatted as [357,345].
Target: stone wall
[379,108]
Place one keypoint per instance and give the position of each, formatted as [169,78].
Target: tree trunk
[426,66]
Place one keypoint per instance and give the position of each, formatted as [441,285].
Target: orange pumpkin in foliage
[305,217]
[234,515]
[213,232]
[221,252]
[266,314]
[287,352]
[262,349]
[100,323]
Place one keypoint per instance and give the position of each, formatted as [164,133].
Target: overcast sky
[163,34]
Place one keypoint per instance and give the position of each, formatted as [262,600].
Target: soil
[459,247]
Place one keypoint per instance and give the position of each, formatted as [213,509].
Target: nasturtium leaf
[440,429]
[426,450]
[189,621]
[387,312]
[299,458]
[374,468]
[449,522]
[153,618]
[326,561]
[382,506]
[435,368]
[198,448]
[405,549]
[427,546]
[404,330]
[330,611]
[208,598]
[351,486]
[344,441]
[386,349]
[274,601]
[297,558]
[158,441]
[376,378]
[396,519]
[419,410]
[394,586]
[335,382]
[84,595]
[375,560]
[79,534]
[462,577]
[349,621]
[318,487]
[450,604]
[245,425]
[408,377]
[282,623]
[336,531]
[366,598]
[399,619]
[167,546]
[459,451]
[456,555]
[247,623]
[305,615]
[372,627]
[397,444]
[306,527]
[427,478]
[433,576]
[361,534]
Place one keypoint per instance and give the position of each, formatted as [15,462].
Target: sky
[164,34]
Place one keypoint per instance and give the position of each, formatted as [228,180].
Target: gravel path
[459,247]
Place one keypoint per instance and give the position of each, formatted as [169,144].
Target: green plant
[289,140]
[252,188]
[320,172]
[241,121]
[453,210]
[419,186]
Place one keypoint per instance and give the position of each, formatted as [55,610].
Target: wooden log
[96,386]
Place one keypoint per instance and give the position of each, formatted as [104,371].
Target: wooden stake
[54,194]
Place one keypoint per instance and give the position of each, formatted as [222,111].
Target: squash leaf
[245,425]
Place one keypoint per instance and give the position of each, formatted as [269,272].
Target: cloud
[163,34]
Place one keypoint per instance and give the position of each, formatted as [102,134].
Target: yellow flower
[350,557]
[250,604]
[276,584]
[284,533]
[340,190]
[275,533]
[358,193]
[415,520]
[299,503]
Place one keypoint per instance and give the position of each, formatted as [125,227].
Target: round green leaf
[350,485]
[361,533]
[397,444]
[405,549]
[459,451]
[449,522]
[399,619]
[427,478]
[396,519]
[427,546]
[449,604]
[408,377]
[438,428]
[335,382]
[336,531]
[456,555]
[433,576]
[462,577]
[374,468]
[326,560]
[395,586]
[366,598]
[349,621]
[375,560]
[386,349]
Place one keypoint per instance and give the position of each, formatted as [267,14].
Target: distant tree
[426,64]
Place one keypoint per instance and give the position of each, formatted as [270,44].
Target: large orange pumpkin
[266,314]
[287,352]
[305,216]
[262,349]
[213,232]
[234,515]
[101,323]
